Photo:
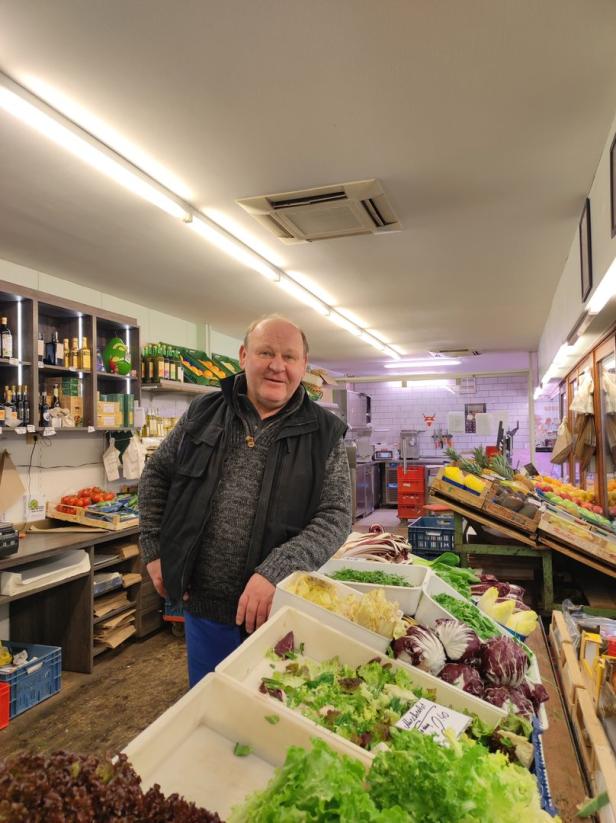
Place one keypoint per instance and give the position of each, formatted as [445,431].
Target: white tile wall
[395,408]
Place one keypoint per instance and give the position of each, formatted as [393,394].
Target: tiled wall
[395,408]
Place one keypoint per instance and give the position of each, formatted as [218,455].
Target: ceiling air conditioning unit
[324,213]
[455,353]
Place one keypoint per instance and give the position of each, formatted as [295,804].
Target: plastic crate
[173,614]
[431,536]
[36,681]
[540,771]
[5,696]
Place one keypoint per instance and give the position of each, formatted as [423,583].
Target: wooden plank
[597,591]
[597,754]
[479,517]
[513,518]
[579,556]
[82,517]
[583,541]
[450,491]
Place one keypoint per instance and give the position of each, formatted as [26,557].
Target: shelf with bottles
[179,388]
[161,362]
[64,338]
[13,362]
[16,409]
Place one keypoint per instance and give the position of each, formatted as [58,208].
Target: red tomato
[72,500]
[86,501]
[66,499]
[109,496]
[96,497]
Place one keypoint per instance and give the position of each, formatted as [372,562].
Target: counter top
[36,546]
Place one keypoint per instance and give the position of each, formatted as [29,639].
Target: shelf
[9,598]
[13,363]
[99,650]
[43,367]
[108,374]
[178,388]
[110,560]
[97,620]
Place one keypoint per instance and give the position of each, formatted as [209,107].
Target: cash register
[9,539]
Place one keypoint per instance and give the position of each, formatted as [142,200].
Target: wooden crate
[518,521]
[467,498]
[579,535]
[559,636]
[597,754]
[113,522]
[570,674]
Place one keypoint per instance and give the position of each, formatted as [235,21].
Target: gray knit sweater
[216,583]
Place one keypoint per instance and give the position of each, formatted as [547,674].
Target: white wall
[223,344]
[567,304]
[395,408]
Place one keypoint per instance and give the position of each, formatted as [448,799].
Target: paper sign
[20,430]
[431,718]
[91,429]
[455,422]
[48,431]
[31,429]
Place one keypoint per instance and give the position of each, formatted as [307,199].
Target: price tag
[48,431]
[13,361]
[91,429]
[31,429]
[431,718]
[20,430]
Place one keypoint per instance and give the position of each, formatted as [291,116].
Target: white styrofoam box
[283,597]
[407,597]
[248,664]
[61,567]
[189,748]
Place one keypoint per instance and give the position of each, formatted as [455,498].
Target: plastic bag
[133,460]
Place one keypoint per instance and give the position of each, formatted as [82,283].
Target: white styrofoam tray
[406,596]
[248,664]
[189,748]
[283,597]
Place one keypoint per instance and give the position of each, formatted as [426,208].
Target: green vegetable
[468,613]
[241,750]
[315,785]
[380,578]
[458,783]
[590,807]
[272,719]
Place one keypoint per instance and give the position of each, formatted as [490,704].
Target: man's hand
[255,603]
[157,577]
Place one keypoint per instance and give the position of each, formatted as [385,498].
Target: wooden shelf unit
[62,613]
[30,312]
[178,388]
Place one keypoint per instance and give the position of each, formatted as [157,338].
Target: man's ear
[242,356]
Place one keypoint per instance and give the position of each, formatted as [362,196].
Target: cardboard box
[105,408]
[75,406]
[106,421]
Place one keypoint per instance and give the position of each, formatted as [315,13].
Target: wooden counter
[40,545]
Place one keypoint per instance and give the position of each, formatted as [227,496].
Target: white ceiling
[484,120]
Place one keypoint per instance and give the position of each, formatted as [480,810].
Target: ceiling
[483,119]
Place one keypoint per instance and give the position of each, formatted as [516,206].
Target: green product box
[129,410]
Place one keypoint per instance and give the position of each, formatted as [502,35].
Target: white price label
[31,429]
[432,718]
[48,431]
[20,430]
[91,429]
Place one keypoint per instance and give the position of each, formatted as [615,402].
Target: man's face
[274,363]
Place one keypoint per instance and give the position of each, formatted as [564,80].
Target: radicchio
[512,700]
[459,640]
[420,647]
[285,645]
[463,676]
[535,692]
[504,662]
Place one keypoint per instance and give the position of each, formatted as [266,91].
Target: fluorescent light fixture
[312,286]
[303,295]
[233,227]
[563,355]
[233,249]
[351,316]
[433,384]
[373,341]
[604,291]
[345,324]
[87,151]
[538,392]
[422,363]
[19,341]
[392,353]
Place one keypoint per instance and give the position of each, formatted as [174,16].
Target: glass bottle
[27,414]
[180,367]
[44,411]
[41,348]
[67,353]
[6,339]
[159,367]
[85,356]
[75,359]
[55,401]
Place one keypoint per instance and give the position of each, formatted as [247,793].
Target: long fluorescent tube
[373,341]
[303,295]
[422,363]
[345,324]
[233,249]
[604,291]
[86,151]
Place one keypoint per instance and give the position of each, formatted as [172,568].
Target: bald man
[252,484]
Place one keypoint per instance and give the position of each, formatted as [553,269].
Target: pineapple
[480,457]
[501,467]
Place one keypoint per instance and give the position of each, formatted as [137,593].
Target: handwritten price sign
[431,718]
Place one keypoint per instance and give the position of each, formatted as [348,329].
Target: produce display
[63,787]
[495,671]
[418,780]
[576,502]
[509,611]
[446,566]
[370,610]
[384,547]
[468,613]
[97,503]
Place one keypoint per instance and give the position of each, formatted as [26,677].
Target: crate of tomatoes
[98,508]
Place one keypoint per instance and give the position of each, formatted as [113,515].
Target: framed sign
[471,410]
[613,184]
[585,251]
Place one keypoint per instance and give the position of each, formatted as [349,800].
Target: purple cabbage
[463,676]
[503,662]
[420,647]
[460,642]
[510,699]
[285,645]
[535,692]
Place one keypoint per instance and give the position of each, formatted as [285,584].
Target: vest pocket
[193,458]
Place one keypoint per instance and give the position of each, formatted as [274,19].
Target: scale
[409,444]
[9,539]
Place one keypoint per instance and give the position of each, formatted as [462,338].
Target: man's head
[274,356]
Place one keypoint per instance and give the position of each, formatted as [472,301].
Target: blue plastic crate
[430,536]
[539,769]
[36,681]
[173,614]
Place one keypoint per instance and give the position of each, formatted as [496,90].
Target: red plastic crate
[413,473]
[412,501]
[411,487]
[5,699]
[407,513]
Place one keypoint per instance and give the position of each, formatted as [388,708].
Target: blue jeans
[207,643]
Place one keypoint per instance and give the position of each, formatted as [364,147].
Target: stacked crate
[411,491]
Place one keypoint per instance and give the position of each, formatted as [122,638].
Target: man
[252,484]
